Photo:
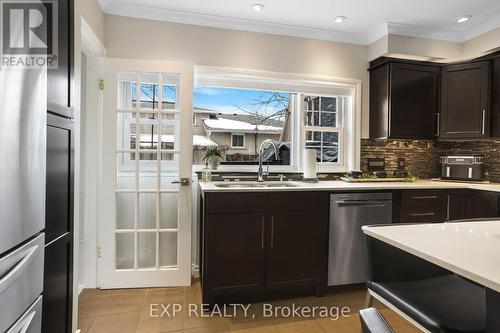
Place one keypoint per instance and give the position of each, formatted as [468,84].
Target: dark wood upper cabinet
[465,95]
[404,101]
[60,80]
[495,99]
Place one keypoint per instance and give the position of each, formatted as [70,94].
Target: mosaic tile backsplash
[422,156]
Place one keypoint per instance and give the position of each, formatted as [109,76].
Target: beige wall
[482,44]
[93,14]
[138,38]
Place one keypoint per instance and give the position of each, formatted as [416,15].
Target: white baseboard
[80,289]
[195,271]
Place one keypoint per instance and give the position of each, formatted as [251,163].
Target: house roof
[198,140]
[229,125]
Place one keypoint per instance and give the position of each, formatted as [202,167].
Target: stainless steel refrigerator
[23,107]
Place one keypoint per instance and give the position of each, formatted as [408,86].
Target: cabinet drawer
[429,214]
[22,280]
[423,198]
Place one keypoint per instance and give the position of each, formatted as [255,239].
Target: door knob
[183,181]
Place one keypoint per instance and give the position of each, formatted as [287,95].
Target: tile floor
[128,310]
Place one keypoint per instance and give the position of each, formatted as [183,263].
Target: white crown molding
[121,8]
[424,32]
[185,17]
[90,41]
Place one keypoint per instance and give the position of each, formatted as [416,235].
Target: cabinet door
[465,101]
[482,205]
[234,256]
[58,286]
[414,101]
[457,205]
[297,249]
[495,99]
[60,80]
[59,179]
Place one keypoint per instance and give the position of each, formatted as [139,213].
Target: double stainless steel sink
[254,184]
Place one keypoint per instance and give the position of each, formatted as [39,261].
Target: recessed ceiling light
[464,18]
[258,7]
[339,19]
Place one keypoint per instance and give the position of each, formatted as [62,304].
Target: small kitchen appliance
[376,166]
[462,167]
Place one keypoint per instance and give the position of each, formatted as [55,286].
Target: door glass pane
[168,249]
[147,211]
[127,83]
[148,134]
[125,130]
[146,242]
[169,135]
[125,251]
[148,171]
[170,90]
[125,210]
[168,211]
[125,171]
[149,91]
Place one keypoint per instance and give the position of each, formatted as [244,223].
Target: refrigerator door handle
[18,269]
[26,324]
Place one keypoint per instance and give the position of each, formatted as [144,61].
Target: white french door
[145,213]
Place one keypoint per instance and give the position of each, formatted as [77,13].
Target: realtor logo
[29,33]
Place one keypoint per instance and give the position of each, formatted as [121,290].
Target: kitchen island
[470,250]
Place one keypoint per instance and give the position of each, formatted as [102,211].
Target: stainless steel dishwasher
[348,213]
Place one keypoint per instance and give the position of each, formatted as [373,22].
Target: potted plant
[214,155]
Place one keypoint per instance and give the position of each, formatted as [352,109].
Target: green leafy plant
[213,152]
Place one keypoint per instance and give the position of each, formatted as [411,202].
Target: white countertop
[339,185]
[470,249]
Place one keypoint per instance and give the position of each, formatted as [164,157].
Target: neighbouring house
[241,135]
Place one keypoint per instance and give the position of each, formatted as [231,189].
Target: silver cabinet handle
[14,273]
[272,232]
[182,181]
[425,197]
[438,119]
[484,123]
[262,233]
[422,214]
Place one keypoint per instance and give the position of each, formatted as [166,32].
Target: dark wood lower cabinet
[473,204]
[58,286]
[436,206]
[297,254]
[263,244]
[236,253]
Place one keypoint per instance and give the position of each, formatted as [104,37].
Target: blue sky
[229,100]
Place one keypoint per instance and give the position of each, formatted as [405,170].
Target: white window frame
[244,141]
[298,84]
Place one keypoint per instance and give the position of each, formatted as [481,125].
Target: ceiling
[367,20]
